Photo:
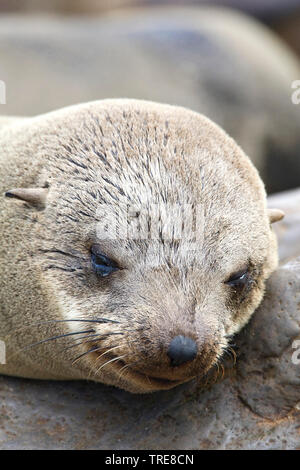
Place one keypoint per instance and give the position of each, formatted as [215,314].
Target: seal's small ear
[275,215]
[33,196]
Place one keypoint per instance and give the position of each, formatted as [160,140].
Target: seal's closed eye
[102,264]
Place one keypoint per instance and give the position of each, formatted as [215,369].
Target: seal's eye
[102,265]
[239,279]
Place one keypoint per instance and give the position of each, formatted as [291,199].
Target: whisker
[228,353]
[56,337]
[98,335]
[106,352]
[81,342]
[127,366]
[234,355]
[111,360]
[29,325]
[131,364]
[96,348]
[123,369]
[150,383]
[95,320]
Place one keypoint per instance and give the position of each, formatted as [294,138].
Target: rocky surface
[255,406]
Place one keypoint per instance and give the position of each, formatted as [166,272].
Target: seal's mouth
[141,380]
[154,383]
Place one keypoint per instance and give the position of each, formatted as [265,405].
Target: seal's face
[156,241]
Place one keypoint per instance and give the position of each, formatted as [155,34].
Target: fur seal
[144,312]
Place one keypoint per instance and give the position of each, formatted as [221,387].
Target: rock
[288,27]
[255,406]
[265,9]
[268,378]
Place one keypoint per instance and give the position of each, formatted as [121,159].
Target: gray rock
[265,9]
[268,379]
[255,406]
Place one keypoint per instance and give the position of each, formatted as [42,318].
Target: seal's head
[150,240]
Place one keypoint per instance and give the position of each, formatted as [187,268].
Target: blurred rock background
[217,61]
[261,8]
[282,16]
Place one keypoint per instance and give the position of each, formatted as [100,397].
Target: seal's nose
[181,350]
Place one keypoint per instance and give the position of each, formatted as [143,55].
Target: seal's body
[85,292]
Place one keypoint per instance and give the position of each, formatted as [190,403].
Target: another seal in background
[79,300]
[216,61]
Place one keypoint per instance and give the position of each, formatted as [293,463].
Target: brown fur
[121,152]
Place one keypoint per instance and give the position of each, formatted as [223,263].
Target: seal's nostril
[181,350]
